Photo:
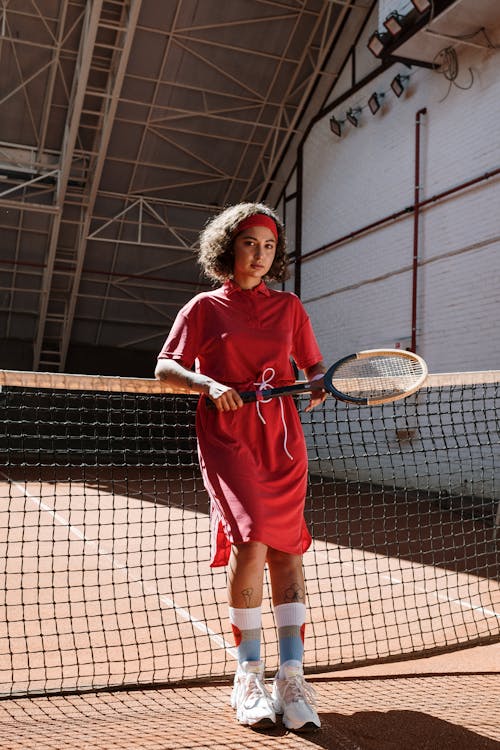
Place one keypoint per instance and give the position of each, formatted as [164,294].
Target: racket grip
[247,397]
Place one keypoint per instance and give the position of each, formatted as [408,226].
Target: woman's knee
[283,560]
[250,548]
[249,553]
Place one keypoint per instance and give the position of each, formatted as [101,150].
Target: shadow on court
[410,526]
[395,730]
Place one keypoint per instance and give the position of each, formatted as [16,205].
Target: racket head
[376,376]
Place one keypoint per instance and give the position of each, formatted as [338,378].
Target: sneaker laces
[297,689]
[254,689]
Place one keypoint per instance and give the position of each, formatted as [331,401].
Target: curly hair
[215,253]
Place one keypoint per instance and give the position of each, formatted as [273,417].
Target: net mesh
[104,535]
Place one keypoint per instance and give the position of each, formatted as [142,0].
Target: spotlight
[375,102]
[421,5]
[394,23]
[336,126]
[352,115]
[377,42]
[398,84]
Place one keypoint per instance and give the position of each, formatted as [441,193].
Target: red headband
[258,220]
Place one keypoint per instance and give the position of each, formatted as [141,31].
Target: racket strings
[377,376]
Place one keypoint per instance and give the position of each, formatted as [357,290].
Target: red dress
[253,460]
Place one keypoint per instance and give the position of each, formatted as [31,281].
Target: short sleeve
[184,340]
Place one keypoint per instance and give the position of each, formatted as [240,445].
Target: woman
[253,458]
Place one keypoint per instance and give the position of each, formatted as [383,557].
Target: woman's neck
[247,284]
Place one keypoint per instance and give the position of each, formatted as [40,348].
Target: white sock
[246,625]
[290,622]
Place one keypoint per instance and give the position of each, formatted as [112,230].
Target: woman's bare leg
[246,575]
[287,577]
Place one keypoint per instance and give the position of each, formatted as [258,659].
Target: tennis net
[104,533]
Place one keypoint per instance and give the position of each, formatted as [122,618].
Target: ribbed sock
[246,625]
[290,621]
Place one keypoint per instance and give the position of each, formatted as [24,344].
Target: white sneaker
[250,697]
[295,699]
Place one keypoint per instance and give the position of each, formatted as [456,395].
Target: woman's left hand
[317,395]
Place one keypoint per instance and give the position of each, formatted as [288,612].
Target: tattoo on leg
[293,593]
[247,595]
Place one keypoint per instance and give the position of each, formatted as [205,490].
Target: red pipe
[416,226]
[398,214]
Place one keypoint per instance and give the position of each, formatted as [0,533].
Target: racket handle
[249,397]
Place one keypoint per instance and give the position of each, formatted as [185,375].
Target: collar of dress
[231,287]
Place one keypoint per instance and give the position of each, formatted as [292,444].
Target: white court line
[417,589]
[197,624]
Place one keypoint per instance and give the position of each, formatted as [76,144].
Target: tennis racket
[374,376]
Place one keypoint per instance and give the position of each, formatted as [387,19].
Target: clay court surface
[442,703]
[447,701]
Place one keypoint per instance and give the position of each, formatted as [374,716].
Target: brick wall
[359,294]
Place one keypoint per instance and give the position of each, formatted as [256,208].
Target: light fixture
[377,42]
[352,115]
[336,126]
[421,5]
[394,23]
[398,84]
[375,102]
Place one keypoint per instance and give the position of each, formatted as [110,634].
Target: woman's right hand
[174,373]
[224,397]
